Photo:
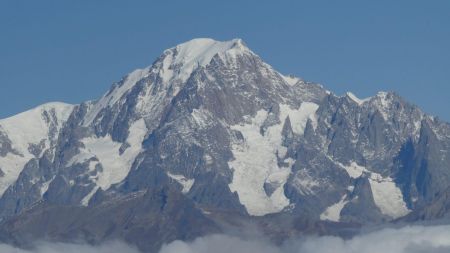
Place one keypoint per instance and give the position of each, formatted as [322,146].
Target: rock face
[210,134]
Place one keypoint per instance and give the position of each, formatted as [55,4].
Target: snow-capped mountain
[208,137]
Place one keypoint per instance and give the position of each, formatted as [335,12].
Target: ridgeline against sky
[73,51]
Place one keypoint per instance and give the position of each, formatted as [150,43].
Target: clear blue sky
[72,51]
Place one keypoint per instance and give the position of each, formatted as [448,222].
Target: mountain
[209,139]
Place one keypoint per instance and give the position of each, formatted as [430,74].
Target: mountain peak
[201,46]
[197,52]
[174,67]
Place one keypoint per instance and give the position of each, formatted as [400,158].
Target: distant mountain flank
[210,138]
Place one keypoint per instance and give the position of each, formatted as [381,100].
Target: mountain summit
[173,68]
[211,138]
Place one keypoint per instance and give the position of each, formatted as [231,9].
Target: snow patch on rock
[299,117]
[333,212]
[12,165]
[183,181]
[387,196]
[30,128]
[256,163]
[45,185]
[356,99]
[354,170]
[87,198]
[115,166]
[291,80]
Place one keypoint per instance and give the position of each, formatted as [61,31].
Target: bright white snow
[44,186]
[291,80]
[12,165]
[255,160]
[30,127]
[85,200]
[299,117]
[333,213]
[354,170]
[183,181]
[356,99]
[198,52]
[112,97]
[387,196]
[116,166]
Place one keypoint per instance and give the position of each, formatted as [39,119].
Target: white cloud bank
[412,239]
[111,247]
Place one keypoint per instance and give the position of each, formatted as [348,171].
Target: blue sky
[72,51]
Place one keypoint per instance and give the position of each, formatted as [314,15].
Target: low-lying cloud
[412,239]
[111,247]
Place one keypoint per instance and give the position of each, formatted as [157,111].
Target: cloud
[111,247]
[220,244]
[412,239]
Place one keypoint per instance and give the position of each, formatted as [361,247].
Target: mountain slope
[28,135]
[235,141]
